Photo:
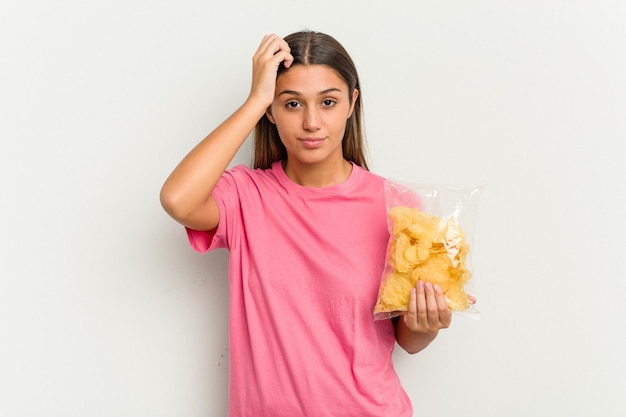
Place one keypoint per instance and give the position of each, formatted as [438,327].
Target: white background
[105,310]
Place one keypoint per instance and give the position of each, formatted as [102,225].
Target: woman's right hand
[271,52]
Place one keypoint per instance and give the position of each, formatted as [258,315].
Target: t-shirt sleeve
[226,195]
[202,240]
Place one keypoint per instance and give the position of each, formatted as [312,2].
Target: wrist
[413,341]
[258,103]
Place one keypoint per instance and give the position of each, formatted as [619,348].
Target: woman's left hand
[428,310]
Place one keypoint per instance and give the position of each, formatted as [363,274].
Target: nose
[311,120]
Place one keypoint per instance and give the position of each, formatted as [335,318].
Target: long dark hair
[314,48]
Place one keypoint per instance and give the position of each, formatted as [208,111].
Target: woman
[307,235]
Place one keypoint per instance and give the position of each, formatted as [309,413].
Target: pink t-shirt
[304,271]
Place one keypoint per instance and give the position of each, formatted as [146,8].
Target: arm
[428,313]
[186,194]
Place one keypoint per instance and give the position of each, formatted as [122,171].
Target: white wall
[105,311]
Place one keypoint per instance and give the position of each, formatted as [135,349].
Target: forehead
[310,79]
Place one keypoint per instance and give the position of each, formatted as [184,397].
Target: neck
[318,175]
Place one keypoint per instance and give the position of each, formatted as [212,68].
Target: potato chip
[424,248]
[402,243]
[435,270]
[456,298]
[411,254]
[396,291]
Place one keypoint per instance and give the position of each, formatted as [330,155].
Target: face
[310,110]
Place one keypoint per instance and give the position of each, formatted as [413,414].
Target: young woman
[307,235]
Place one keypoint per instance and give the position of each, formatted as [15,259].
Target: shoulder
[243,182]
[241,171]
[371,176]
[243,174]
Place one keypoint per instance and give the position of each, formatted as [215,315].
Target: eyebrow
[321,93]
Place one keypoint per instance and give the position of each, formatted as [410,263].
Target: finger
[285,57]
[269,42]
[273,45]
[410,318]
[265,64]
[421,304]
[432,309]
[262,48]
[445,315]
[288,60]
[416,318]
[283,53]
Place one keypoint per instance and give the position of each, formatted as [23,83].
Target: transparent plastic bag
[431,230]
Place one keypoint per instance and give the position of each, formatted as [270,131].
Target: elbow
[165,198]
[410,349]
[187,210]
[414,342]
[170,201]
[186,197]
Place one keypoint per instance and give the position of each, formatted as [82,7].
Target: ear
[268,113]
[355,95]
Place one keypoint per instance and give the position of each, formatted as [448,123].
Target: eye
[328,102]
[292,104]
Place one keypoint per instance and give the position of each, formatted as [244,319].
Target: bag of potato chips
[431,229]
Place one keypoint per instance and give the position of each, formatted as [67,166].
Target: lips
[312,142]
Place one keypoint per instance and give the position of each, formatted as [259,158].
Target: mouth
[312,142]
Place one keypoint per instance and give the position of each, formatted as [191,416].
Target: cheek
[287,121]
[340,122]
[280,122]
[285,128]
